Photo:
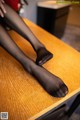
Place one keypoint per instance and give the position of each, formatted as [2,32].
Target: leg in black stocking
[15,21]
[52,84]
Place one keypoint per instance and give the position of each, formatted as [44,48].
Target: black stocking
[52,84]
[16,23]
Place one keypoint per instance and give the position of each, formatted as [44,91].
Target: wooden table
[20,94]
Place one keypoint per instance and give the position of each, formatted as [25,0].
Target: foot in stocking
[43,56]
[16,23]
[51,83]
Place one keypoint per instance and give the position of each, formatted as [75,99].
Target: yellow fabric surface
[20,94]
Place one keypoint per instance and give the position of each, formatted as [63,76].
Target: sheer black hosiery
[51,83]
[16,23]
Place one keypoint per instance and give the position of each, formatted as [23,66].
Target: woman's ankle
[29,66]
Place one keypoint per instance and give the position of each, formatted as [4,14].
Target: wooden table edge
[55,105]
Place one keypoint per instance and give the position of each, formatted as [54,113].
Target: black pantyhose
[52,84]
[16,23]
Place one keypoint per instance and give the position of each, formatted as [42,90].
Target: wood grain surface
[20,94]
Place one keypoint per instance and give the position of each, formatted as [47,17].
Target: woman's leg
[52,84]
[15,21]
